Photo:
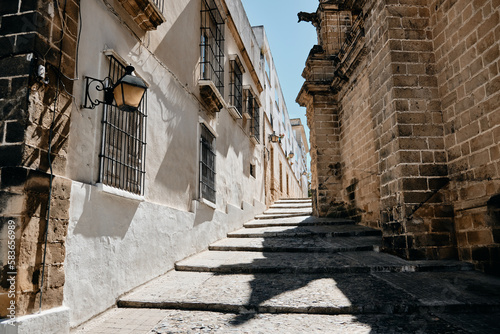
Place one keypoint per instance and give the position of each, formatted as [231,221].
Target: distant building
[132,190]
[403,103]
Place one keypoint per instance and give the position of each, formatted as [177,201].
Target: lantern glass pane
[131,94]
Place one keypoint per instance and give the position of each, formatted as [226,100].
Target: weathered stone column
[34,110]
[322,119]
[417,218]
[317,96]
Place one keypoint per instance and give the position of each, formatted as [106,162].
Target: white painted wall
[115,244]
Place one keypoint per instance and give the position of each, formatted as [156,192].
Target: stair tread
[304,231]
[361,261]
[317,293]
[296,221]
[315,244]
[287,211]
[290,205]
[282,215]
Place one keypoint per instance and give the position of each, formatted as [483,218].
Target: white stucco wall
[115,244]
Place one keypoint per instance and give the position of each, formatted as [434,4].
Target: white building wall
[116,243]
[272,96]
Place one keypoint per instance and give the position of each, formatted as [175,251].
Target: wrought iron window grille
[207,165]
[123,144]
[212,44]
[236,86]
[253,109]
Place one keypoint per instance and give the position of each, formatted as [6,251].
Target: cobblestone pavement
[306,275]
[155,321]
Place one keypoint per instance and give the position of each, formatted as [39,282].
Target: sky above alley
[290,42]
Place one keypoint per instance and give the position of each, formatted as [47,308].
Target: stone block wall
[416,116]
[466,38]
[418,224]
[34,34]
[360,180]
[325,153]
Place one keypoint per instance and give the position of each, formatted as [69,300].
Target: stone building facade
[403,103]
[94,200]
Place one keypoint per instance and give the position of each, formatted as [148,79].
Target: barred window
[212,44]
[236,86]
[123,144]
[207,164]
[254,112]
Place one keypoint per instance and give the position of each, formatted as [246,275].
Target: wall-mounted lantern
[274,138]
[127,92]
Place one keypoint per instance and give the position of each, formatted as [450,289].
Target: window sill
[233,111]
[207,203]
[211,95]
[119,192]
[254,140]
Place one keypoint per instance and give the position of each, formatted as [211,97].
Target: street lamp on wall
[274,138]
[127,92]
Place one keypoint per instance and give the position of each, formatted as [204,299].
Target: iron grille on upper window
[253,110]
[212,44]
[236,86]
[123,145]
[207,164]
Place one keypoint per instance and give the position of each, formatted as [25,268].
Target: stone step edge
[297,249]
[312,234]
[382,308]
[279,215]
[262,223]
[285,206]
[239,269]
[285,213]
[293,200]
[279,212]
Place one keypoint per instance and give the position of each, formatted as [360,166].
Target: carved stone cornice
[350,55]
[353,5]
[144,13]
[211,96]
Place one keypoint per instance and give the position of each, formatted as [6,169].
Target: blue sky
[290,42]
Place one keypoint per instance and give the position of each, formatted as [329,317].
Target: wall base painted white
[115,244]
[53,321]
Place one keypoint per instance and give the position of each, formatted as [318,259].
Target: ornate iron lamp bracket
[105,85]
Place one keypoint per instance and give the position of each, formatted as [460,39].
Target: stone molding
[144,12]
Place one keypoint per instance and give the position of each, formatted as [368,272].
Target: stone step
[297,221]
[293,263]
[309,245]
[281,211]
[291,206]
[283,215]
[368,293]
[305,231]
[294,200]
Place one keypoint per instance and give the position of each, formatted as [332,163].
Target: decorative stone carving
[144,12]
